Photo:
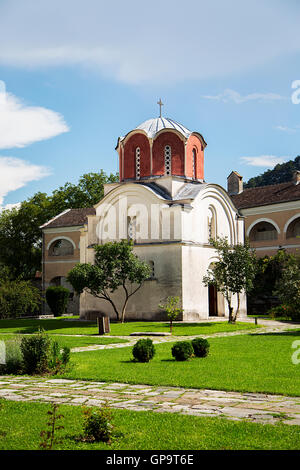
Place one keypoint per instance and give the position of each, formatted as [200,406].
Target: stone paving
[255,407]
[266,327]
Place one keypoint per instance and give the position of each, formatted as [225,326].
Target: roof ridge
[265,186]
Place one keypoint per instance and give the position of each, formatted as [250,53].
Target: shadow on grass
[281,333]
[32,326]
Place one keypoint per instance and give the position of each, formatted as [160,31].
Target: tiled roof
[264,195]
[70,218]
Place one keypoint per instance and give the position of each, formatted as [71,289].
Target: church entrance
[213,300]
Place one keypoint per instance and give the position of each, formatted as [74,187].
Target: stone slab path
[274,327]
[254,407]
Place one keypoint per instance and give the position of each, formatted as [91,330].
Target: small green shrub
[143,350]
[97,424]
[57,299]
[35,350]
[58,360]
[201,347]
[182,350]
[283,311]
[13,357]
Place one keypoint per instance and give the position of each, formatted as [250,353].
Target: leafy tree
[20,233]
[17,297]
[116,266]
[88,192]
[172,309]
[281,173]
[268,273]
[288,289]
[233,273]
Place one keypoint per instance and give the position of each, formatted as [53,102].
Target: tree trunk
[230,319]
[124,310]
[237,308]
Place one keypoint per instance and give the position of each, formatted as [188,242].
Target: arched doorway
[216,301]
[212,300]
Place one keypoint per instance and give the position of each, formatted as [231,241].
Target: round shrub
[143,350]
[57,299]
[182,350]
[35,351]
[201,347]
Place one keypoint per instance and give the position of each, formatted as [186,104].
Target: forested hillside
[281,173]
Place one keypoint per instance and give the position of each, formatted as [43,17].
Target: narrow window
[194,164]
[151,264]
[138,163]
[211,223]
[168,158]
[131,228]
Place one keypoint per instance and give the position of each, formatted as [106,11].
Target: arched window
[131,228]
[194,163]
[168,160]
[211,223]
[61,247]
[263,231]
[138,163]
[293,229]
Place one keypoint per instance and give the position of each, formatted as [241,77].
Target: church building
[164,205]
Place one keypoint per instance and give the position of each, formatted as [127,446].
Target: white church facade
[164,205]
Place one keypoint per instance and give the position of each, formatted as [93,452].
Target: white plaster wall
[181,256]
[144,304]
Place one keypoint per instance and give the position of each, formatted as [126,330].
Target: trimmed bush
[57,299]
[35,350]
[182,350]
[97,425]
[143,350]
[201,347]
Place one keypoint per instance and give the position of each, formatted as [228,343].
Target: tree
[17,297]
[268,273]
[116,266]
[288,289]
[172,309]
[281,173]
[20,233]
[233,273]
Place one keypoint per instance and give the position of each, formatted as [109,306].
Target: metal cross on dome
[160,103]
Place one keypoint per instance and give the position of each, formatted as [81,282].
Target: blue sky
[75,75]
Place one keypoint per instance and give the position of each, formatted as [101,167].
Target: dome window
[138,163]
[194,163]
[168,156]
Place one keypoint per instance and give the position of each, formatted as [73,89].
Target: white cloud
[16,173]
[22,125]
[234,96]
[9,207]
[288,130]
[132,44]
[266,161]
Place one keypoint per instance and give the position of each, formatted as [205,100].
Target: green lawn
[252,363]
[69,327]
[55,325]
[21,424]
[179,329]
[73,341]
